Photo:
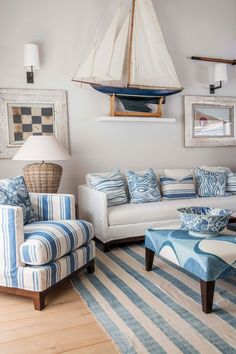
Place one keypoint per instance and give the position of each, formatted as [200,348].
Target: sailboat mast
[131,42]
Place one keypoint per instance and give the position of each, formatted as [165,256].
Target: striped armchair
[36,256]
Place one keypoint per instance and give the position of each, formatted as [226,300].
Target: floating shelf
[136,119]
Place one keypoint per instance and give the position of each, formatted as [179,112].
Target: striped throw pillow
[178,189]
[143,188]
[112,185]
[231,183]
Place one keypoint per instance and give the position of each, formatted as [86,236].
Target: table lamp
[43,177]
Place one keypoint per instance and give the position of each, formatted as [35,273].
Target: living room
[117,125]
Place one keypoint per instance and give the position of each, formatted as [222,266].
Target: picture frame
[25,112]
[210,121]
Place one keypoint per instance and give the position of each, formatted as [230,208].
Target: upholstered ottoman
[206,258]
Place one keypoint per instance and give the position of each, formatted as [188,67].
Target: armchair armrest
[53,206]
[93,208]
[11,237]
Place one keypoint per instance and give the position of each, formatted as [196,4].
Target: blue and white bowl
[204,221]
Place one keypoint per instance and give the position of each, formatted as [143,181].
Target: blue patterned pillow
[143,188]
[178,189]
[112,185]
[210,183]
[13,191]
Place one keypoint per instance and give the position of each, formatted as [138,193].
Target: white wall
[62,29]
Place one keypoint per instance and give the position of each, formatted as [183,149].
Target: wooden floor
[65,326]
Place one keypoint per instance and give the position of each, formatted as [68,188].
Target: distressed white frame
[57,98]
[220,101]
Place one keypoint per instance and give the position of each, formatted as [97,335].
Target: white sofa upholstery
[131,220]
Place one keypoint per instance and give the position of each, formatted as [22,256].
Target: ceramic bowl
[204,221]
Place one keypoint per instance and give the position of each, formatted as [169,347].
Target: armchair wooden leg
[91,267]
[39,301]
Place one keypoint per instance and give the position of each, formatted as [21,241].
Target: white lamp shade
[42,148]
[31,56]
[220,72]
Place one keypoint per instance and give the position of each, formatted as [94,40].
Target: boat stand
[114,113]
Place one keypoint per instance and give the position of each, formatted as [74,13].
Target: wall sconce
[31,61]
[220,76]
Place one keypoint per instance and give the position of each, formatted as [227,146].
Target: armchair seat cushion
[47,241]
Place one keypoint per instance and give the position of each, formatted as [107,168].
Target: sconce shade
[221,72]
[42,148]
[31,56]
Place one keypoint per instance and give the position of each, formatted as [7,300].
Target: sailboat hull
[136,99]
[135,92]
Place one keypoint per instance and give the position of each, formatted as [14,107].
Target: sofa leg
[91,267]
[105,247]
[39,301]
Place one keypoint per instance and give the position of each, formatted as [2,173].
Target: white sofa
[128,221]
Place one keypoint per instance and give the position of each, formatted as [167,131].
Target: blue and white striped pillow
[231,183]
[178,189]
[112,185]
[143,188]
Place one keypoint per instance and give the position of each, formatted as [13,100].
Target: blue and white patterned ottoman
[206,258]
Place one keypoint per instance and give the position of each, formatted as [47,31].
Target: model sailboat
[132,63]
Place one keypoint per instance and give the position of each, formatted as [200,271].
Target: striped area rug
[157,311]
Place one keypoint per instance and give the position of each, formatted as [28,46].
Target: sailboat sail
[151,64]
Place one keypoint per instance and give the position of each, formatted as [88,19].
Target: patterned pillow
[112,185]
[13,191]
[210,183]
[178,189]
[143,188]
[231,183]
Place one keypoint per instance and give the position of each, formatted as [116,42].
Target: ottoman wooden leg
[149,255]
[207,293]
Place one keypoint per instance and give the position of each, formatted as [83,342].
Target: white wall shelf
[135,119]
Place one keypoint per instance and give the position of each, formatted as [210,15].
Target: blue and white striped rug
[157,311]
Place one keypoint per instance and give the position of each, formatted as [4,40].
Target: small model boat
[132,63]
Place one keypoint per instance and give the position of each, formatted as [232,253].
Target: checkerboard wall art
[26,112]
[28,120]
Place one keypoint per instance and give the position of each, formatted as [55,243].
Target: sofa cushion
[178,189]
[143,188]
[112,184]
[210,183]
[46,241]
[163,210]
[13,191]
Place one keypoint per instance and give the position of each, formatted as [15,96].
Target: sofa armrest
[11,237]
[53,206]
[93,208]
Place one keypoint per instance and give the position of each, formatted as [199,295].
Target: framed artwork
[210,121]
[31,112]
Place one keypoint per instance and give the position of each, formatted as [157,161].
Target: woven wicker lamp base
[43,177]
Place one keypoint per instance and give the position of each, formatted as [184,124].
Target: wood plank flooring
[66,325]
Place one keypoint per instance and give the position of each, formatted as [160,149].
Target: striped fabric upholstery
[49,240]
[231,183]
[39,278]
[13,271]
[174,189]
[112,185]
[11,236]
[53,206]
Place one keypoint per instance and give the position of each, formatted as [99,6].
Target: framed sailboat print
[210,121]
[132,63]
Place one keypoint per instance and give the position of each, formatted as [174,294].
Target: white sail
[151,64]
[85,70]
[118,55]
